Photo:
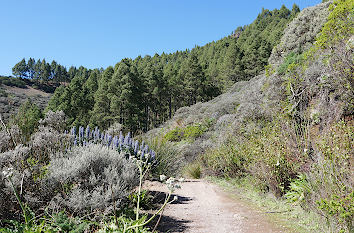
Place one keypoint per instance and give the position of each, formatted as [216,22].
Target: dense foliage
[27,119]
[12,82]
[145,92]
[42,71]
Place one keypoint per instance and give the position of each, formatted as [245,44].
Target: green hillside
[145,92]
[287,132]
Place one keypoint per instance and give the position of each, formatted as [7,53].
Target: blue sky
[100,33]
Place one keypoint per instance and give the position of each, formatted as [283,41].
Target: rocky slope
[11,99]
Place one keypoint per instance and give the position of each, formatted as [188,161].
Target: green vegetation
[27,119]
[145,199]
[339,26]
[189,132]
[168,156]
[193,170]
[3,93]
[12,82]
[291,59]
[247,156]
[288,135]
[90,175]
[145,92]
[303,154]
[41,71]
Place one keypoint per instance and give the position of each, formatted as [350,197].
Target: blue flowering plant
[123,144]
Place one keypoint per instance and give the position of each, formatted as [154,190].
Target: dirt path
[202,208]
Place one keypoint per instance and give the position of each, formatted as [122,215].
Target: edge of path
[276,211]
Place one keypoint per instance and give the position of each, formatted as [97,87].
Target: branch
[7,130]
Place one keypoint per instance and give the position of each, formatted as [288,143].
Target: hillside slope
[258,98]
[288,131]
[11,99]
[144,92]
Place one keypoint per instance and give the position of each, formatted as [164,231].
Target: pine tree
[233,67]
[37,70]
[27,118]
[45,71]
[20,69]
[101,115]
[193,79]
[53,69]
[72,72]
[115,91]
[31,68]
[130,96]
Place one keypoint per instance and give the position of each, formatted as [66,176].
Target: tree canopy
[145,92]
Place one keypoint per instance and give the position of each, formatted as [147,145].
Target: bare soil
[202,207]
[28,91]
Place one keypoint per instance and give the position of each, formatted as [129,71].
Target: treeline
[42,71]
[144,92]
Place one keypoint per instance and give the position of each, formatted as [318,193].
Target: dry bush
[5,141]
[88,179]
[55,120]
[115,129]
[9,138]
[300,33]
[168,157]
[23,180]
[50,137]
[48,169]
[331,176]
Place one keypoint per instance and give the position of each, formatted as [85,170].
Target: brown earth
[28,91]
[202,207]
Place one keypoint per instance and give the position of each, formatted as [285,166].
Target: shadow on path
[167,223]
[159,198]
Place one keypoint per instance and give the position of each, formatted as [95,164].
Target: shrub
[58,222]
[89,178]
[3,93]
[299,191]
[300,33]
[331,177]
[115,129]
[22,180]
[194,131]
[49,138]
[50,168]
[189,132]
[7,138]
[55,120]
[227,160]
[27,119]
[340,209]
[261,151]
[168,159]
[290,59]
[63,223]
[47,141]
[174,135]
[193,170]
[13,82]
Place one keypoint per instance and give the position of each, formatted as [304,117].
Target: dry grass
[28,91]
